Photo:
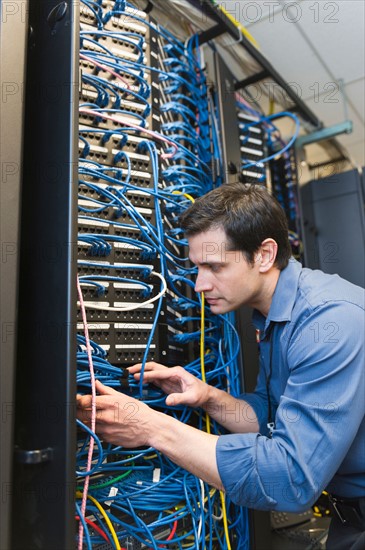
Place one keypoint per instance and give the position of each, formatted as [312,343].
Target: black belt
[348,510]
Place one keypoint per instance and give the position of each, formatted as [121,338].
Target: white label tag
[112,493]
[156,475]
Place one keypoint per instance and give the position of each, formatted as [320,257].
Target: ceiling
[318,47]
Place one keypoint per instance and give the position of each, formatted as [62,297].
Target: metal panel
[43,496]
[333,226]
[13,22]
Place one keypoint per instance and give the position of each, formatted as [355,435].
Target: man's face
[226,278]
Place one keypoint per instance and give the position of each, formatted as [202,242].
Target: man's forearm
[234,414]
[188,447]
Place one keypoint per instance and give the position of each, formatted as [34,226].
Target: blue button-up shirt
[317,391]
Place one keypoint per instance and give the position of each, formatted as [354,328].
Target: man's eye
[215,268]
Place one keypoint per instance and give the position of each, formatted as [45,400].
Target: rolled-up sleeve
[318,417]
[258,401]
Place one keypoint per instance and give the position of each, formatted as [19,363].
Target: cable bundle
[262,149]
[148,140]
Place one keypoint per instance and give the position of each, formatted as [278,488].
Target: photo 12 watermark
[274,11]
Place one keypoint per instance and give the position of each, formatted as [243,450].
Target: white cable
[201,508]
[131,308]
[218,518]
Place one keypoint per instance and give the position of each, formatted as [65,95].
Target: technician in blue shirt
[302,430]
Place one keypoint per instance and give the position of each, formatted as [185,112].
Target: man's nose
[203,283]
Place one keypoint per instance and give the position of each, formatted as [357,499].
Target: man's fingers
[150,376]
[83,401]
[149,366]
[134,368]
[176,399]
[106,400]
[105,390]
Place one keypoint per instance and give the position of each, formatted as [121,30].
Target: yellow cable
[185,195]
[189,197]
[240,27]
[207,420]
[202,352]
[103,513]
[225,522]
[202,363]
[202,323]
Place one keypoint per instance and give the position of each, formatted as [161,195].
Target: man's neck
[270,280]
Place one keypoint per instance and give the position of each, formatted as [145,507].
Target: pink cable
[94,112]
[105,68]
[93,412]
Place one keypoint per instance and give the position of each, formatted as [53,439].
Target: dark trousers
[347,537]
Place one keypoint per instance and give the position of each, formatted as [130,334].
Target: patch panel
[251,143]
[119,121]
[107,155]
[250,124]
[142,201]
[89,94]
[126,23]
[120,252]
[87,16]
[284,179]
[117,42]
[118,333]
[97,227]
[250,153]
[116,295]
[115,213]
[141,315]
[116,269]
[131,78]
[252,147]
[116,176]
[250,176]
[119,24]
[134,354]
[122,46]
[120,142]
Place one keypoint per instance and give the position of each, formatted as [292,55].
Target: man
[302,430]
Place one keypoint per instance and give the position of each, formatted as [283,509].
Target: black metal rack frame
[43,488]
[225,25]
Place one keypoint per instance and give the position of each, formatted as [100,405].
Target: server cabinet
[333,225]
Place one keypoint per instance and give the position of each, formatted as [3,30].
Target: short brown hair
[247,213]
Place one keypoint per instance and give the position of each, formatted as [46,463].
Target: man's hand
[185,389]
[120,419]
[125,421]
[181,387]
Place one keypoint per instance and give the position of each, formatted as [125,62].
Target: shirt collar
[283,298]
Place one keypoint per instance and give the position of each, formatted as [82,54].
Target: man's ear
[266,255]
